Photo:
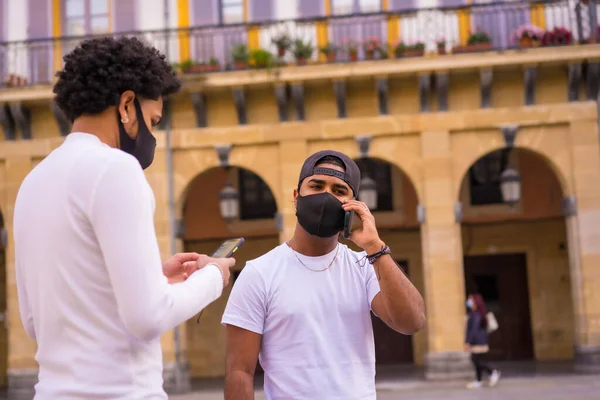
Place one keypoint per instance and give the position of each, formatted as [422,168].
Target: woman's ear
[125,107]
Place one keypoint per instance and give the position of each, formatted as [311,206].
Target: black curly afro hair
[99,70]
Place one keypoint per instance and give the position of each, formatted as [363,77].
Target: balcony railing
[393,34]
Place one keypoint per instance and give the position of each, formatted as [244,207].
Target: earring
[125,120]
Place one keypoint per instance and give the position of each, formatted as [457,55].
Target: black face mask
[144,144]
[320,214]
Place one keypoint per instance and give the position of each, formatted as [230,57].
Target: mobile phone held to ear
[348,217]
[228,248]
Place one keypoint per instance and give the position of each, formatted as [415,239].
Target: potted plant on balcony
[528,35]
[189,66]
[240,55]
[330,51]
[409,50]
[441,45]
[213,64]
[302,51]
[352,48]
[283,43]
[558,36]
[261,58]
[372,47]
[477,41]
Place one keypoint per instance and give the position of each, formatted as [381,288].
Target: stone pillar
[158,178]
[22,367]
[442,263]
[583,230]
[291,155]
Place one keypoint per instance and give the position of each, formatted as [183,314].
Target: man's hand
[180,266]
[467,347]
[222,263]
[366,237]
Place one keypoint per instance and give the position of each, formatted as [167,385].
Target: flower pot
[301,61]
[529,42]
[196,68]
[331,56]
[369,55]
[413,53]
[441,49]
[472,48]
[241,65]
[281,51]
[353,56]
[214,68]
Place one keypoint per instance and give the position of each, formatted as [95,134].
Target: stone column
[22,367]
[442,263]
[158,179]
[583,230]
[292,154]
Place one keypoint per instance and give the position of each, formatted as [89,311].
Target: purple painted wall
[125,16]
[451,3]
[40,53]
[38,24]
[311,8]
[261,10]
[205,12]
[399,5]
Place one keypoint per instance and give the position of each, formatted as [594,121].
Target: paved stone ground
[525,388]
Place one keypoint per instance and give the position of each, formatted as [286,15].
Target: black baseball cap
[351,175]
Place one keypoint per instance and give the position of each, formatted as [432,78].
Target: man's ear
[296,198]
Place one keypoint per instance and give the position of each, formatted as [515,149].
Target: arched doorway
[516,254]
[396,217]
[204,230]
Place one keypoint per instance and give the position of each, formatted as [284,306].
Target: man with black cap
[304,307]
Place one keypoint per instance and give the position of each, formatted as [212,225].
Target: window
[256,199]
[484,179]
[340,7]
[381,173]
[86,17]
[232,11]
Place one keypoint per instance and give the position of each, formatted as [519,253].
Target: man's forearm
[239,385]
[402,300]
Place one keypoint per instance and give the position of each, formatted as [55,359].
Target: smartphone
[348,217]
[228,248]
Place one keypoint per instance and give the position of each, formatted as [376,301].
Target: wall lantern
[368,192]
[229,202]
[510,185]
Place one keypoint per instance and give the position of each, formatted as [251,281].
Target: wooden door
[502,281]
[391,347]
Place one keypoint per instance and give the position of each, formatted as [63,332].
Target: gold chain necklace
[315,270]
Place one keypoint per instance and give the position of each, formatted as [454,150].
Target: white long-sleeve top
[89,275]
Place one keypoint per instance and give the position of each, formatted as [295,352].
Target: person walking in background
[93,291]
[476,341]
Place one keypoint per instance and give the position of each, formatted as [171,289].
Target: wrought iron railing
[397,33]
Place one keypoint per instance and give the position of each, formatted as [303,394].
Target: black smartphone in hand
[348,217]
[228,248]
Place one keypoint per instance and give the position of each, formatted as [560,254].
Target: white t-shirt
[317,335]
[89,275]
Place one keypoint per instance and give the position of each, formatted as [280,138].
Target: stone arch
[258,159]
[403,152]
[469,147]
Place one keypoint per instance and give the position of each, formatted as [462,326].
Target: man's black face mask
[320,214]
[142,148]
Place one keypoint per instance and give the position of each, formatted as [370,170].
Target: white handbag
[492,323]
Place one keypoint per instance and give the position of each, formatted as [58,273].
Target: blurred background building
[474,123]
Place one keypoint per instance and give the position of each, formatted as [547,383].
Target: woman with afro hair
[93,291]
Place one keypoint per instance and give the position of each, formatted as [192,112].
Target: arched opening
[516,256]
[396,218]
[204,230]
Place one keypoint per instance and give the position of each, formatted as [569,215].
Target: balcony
[490,26]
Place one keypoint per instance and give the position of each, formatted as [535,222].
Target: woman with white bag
[479,324]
